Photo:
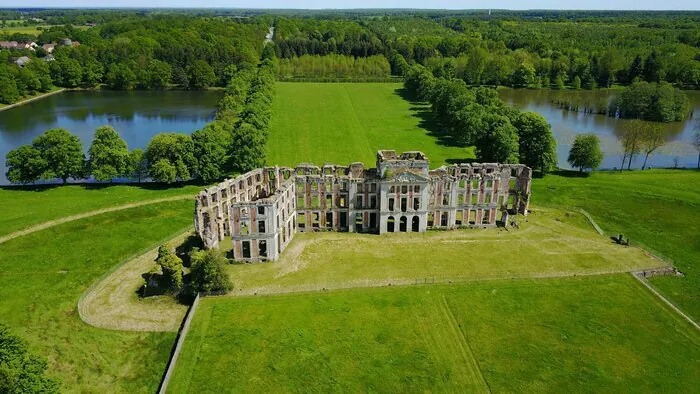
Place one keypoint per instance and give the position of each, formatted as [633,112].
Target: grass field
[44,274]
[346,122]
[593,334]
[659,209]
[551,243]
[23,207]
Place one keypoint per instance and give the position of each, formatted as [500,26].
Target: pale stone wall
[261,210]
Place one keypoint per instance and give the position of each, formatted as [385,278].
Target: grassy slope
[603,333]
[552,242]
[44,274]
[23,207]
[346,122]
[657,208]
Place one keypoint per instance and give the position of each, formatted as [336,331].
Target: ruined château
[261,210]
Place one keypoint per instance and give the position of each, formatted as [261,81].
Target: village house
[22,61]
[49,47]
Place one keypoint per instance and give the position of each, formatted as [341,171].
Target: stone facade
[261,210]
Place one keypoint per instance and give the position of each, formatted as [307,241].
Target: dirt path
[114,304]
[56,222]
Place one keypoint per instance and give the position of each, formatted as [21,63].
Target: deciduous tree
[208,271]
[585,152]
[63,154]
[109,155]
[24,165]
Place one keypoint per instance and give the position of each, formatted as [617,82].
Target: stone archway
[390,224]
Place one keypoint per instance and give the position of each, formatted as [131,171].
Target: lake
[567,124]
[137,116]
[140,115]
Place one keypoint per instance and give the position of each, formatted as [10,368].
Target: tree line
[512,51]
[233,142]
[476,116]
[333,66]
[137,52]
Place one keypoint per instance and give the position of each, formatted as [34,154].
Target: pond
[137,116]
[567,124]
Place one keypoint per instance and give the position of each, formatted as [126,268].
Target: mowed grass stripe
[600,333]
[347,122]
[43,275]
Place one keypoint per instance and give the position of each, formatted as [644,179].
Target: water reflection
[137,116]
[566,124]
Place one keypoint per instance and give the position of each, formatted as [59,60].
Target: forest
[194,49]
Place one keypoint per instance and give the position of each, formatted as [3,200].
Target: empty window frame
[391,204]
[316,219]
[459,217]
[261,226]
[245,228]
[416,203]
[261,210]
[262,248]
[404,204]
[246,249]
[390,224]
[301,220]
[329,219]
[443,219]
[358,202]
[372,201]
[358,221]
[472,216]
[485,215]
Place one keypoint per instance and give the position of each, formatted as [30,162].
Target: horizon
[443,5]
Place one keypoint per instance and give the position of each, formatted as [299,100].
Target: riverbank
[4,107]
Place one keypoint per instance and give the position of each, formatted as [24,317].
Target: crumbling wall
[261,210]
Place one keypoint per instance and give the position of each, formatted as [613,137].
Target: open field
[594,334]
[44,274]
[659,209]
[24,207]
[551,243]
[347,122]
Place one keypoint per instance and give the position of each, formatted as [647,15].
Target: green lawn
[44,274]
[593,334]
[659,209]
[24,207]
[346,122]
[551,243]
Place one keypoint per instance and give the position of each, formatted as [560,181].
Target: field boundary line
[178,346]
[66,219]
[591,221]
[27,101]
[665,301]
[465,349]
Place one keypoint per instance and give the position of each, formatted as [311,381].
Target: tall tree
[171,266]
[201,75]
[538,149]
[24,165]
[631,137]
[585,152]
[170,157]
[109,155]
[63,154]
[208,271]
[210,150]
[138,166]
[653,137]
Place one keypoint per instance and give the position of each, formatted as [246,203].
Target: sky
[316,4]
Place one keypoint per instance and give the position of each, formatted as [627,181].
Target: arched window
[415,225]
[390,224]
[403,225]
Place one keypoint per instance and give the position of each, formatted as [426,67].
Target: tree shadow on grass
[427,119]
[571,173]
